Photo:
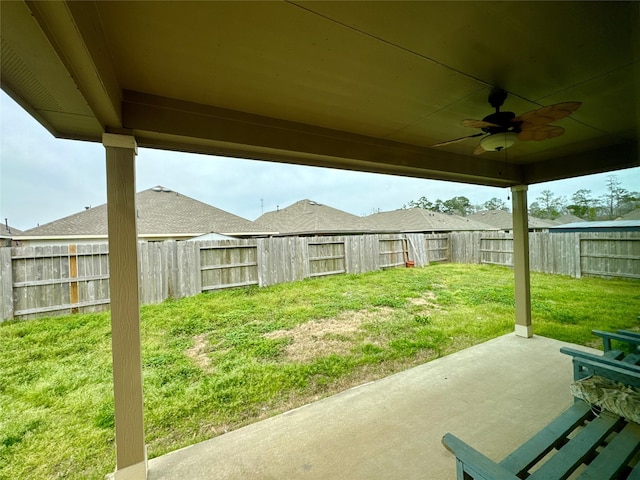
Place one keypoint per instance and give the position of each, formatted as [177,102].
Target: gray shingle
[161,212]
[307,216]
[7,231]
[421,220]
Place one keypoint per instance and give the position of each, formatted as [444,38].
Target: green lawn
[218,361]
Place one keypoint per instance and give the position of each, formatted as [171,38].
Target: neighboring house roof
[7,231]
[568,218]
[606,226]
[504,220]
[632,215]
[309,217]
[161,213]
[421,220]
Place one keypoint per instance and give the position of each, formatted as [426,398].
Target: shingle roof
[421,220]
[307,216]
[568,218]
[606,225]
[504,220]
[161,212]
[632,215]
[7,231]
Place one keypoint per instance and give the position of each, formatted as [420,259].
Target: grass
[214,362]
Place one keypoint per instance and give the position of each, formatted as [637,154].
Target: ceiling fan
[501,129]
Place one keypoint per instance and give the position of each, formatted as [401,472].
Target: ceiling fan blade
[456,140]
[479,150]
[548,114]
[477,123]
[539,132]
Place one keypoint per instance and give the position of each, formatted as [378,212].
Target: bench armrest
[631,340]
[473,463]
[586,364]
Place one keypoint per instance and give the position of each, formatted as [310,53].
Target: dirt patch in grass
[327,336]
[427,300]
[198,353]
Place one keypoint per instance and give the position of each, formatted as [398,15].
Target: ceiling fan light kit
[498,141]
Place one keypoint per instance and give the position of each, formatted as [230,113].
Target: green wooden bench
[582,442]
[626,337]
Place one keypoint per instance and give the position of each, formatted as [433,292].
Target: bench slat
[540,444]
[612,460]
[633,359]
[614,354]
[571,455]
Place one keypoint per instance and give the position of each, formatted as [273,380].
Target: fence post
[578,251]
[74,298]
[6,284]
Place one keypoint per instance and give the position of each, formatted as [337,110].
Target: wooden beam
[521,261]
[597,160]
[131,457]
[160,122]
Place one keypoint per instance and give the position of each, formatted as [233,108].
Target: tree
[583,205]
[612,197]
[547,206]
[422,202]
[629,201]
[495,204]
[457,206]
[618,201]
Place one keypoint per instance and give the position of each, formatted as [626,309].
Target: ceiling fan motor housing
[503,122]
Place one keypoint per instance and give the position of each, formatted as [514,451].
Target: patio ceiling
[355,85]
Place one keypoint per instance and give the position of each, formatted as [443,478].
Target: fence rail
[36,281]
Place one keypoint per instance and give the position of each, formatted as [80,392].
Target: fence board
[188,269]
[6,284]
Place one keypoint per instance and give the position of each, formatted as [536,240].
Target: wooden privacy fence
[610,254]
[51,280]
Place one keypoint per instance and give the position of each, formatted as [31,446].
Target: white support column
[521,261]
[131,455]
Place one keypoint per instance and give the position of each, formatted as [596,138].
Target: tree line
[615,202]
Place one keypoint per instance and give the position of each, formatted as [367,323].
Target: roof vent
[166,190]
[157,189]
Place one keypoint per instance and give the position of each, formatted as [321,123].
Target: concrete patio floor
[494,396]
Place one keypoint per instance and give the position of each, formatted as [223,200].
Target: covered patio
[495,395]
[372,86]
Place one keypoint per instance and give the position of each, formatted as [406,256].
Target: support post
[131,455]
[521,261]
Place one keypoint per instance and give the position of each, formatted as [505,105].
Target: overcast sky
[43,179]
